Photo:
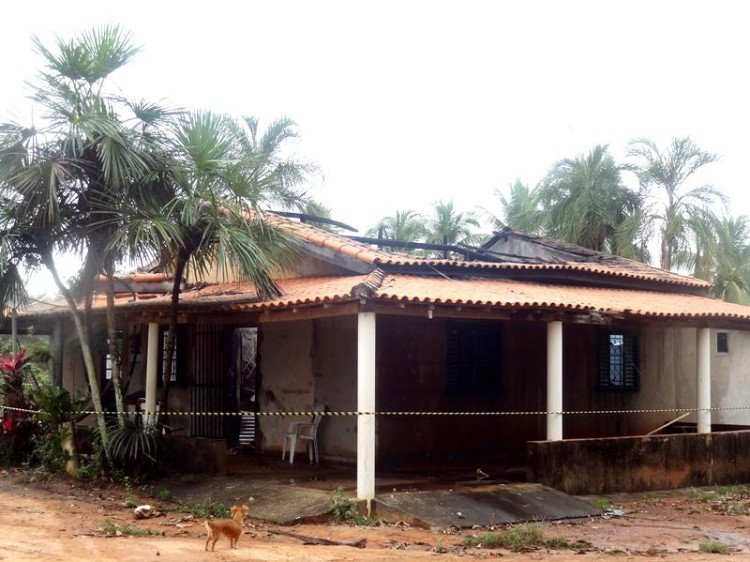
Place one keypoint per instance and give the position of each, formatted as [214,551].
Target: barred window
[722,342]
[618,361]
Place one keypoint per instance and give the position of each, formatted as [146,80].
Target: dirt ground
[61,519]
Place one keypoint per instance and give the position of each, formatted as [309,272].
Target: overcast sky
[403,103]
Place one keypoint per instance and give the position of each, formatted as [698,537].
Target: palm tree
[586,203]
[676,206]
[520,211]
[59,182]
[731,271]
[226,172]
[406,226]
[449,226]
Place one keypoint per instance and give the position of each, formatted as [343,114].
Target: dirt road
[60,520]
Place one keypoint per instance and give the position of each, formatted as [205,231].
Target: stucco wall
[335,375]
[286,377]
[669,377]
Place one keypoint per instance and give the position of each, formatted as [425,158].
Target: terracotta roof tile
[508,293]
[481,292]
[626,269]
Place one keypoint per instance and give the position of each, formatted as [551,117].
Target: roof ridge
[369,285]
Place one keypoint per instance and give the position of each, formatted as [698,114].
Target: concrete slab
[487,505]
[283,504]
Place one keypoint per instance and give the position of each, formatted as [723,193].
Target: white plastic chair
[304,431]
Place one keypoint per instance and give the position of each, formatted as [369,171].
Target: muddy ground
[61,519]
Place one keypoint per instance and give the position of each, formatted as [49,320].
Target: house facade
[533,341]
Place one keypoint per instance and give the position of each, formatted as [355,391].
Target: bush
[344,509]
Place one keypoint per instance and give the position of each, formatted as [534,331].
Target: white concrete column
[366,403]
[152,368]
[704,379]
[554,380]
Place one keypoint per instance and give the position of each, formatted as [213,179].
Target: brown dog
[232,528]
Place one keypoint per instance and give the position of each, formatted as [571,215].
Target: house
[531,345]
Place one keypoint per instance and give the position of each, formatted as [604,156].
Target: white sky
[403,103]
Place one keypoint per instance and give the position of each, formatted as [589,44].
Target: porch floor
[445,493]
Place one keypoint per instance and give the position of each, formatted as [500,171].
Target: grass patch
[131,500]
[526,536]
[205,510]
[112,529]
[164,495]
[603,503]
[715,547]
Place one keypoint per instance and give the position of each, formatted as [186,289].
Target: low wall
[632,464]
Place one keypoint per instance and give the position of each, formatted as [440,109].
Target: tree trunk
[114,349]
[88,358]
[666,250]
[182,258]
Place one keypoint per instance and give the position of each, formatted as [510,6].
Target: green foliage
[715,547]
[112,529]
[164,495]
[344,509]
[48,450]
[603,503]
[135,447]
[131,500]
[205,510]
[57,406]
[525,536]
[585,202]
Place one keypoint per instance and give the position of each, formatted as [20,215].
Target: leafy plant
[135,448]
[164,495]
[344,509]
[48,450]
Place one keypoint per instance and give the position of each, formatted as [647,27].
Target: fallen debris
[361,543]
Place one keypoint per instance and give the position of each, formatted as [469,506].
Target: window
[722,342]
[618,361]
[164,368]
[473,356]
[108,357]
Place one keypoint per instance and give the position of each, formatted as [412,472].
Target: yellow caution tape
[396,413]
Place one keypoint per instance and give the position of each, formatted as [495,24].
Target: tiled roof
[624,269]
[299,291]
[507,293]
[477,292]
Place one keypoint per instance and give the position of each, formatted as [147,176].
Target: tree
[63,183]
[520,211]
[226,173]
[585,202]
[731,269]
[449,226]
[406,226]
[676,205]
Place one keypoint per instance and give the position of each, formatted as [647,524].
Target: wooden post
[366,403]
[704,380]
[152,364]
[554,380]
